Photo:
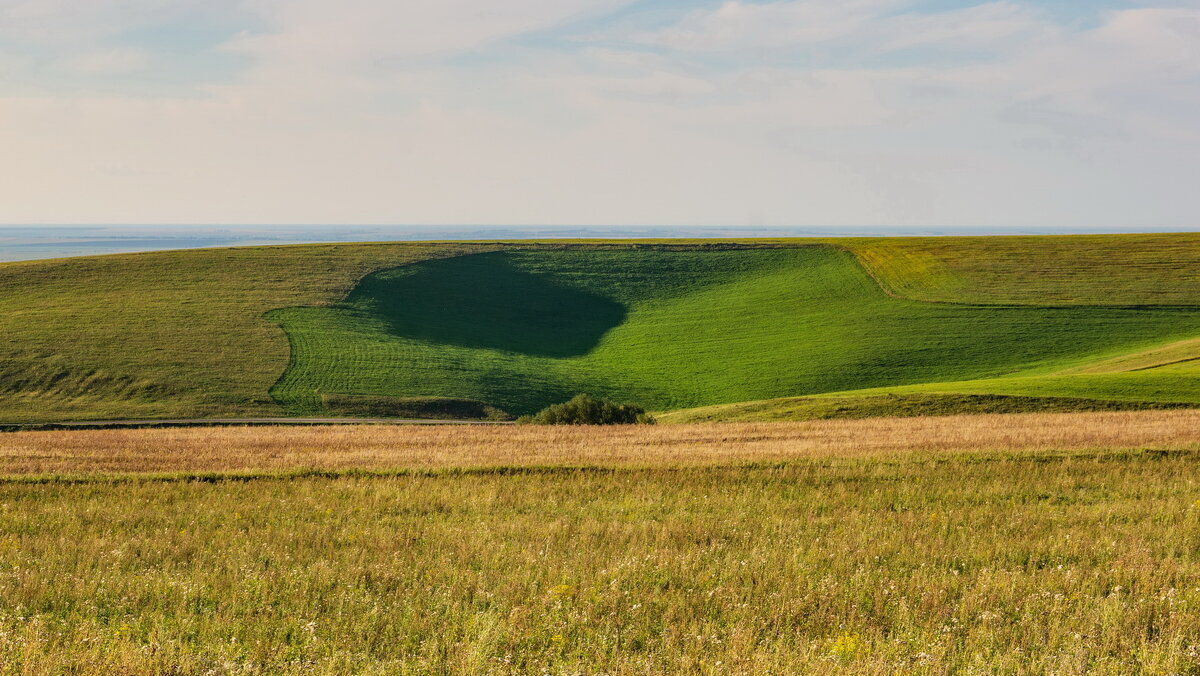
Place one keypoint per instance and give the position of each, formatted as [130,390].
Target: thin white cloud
[1134,76]
[991,26]
[439,112]
[118,61]
[737,25]
[867,26]
[73,23]
[358,30]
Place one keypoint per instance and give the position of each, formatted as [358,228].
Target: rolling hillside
[940,324]
[674,329]
[165,334]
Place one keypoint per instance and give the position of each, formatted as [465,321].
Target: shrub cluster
[584,409]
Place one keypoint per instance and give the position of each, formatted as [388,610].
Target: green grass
[1176,386]
[172,334]
[197,333]
[434,408]
[1146,269]
[675,329]
[926,564]
[889,403]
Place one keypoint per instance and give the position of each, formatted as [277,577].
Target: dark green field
[675,329]
[881,326]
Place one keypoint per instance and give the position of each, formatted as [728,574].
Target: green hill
[455,329]
[674,329]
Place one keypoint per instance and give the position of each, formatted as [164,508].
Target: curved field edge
[1173,354]
[905,405]
[183,333]
[704,326]
[178,334]
[1162,384]
[438,306]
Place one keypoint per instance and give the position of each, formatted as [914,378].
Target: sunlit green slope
[675,329]
[1144,269]
[166,334]
[670,323]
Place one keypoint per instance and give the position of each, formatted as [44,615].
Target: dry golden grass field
[1066,543]
[439,447]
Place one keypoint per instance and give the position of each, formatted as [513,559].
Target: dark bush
[584,409]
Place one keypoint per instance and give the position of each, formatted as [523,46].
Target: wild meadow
[909,546]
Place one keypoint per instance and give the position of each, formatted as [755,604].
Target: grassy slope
[169,334]
[1069,271]
[183,333]
[1146,269]
[672,329]
[1178,354]
[904,403]
[164,334]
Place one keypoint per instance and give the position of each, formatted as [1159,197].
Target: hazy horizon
[35,242]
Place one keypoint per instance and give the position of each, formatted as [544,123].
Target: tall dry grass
[396,447]
[1004,563]
[941,546]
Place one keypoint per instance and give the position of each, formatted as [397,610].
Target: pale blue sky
[792,112]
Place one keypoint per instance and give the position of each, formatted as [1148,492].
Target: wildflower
[562,591]
[845,647]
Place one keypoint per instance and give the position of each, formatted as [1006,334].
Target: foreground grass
[925,562]
[975,544]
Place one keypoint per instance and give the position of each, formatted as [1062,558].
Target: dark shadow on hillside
[484,301]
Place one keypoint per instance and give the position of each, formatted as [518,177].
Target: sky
[1060,113]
